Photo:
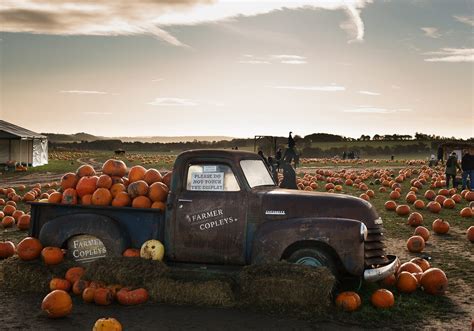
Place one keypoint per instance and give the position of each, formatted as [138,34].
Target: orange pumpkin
[57,304]
[103,296]
[406,282]
[449,203]
[104,181]
[122,199]
[419,204]
[17,214]
[466,212]
[410,198]
[434,281]
[74,274]
[69,197]
[8,221]
[85,170]
[8,210]
[158,192]
[434,207]
[113,168]
[69,180]
[422,263]
[390,205]
[86,200]
[152,176]
[136,173]
[55,197]
[29,249]
[101,197]
[107,324]
[138,188]
[415,244]
[348,301]
[422,232]
[469,196]
[134,297]
[415,219]
[59,284]
[117,188]
[470,233]
[86,185]
[402,210]
[88,294]
[52,255]
[131,252]
[158,205]
[382,298]
[141,202]
[440,226]
[394,195]
[7,249]
[79,286]
[168,177]
[409,267]
[389,281]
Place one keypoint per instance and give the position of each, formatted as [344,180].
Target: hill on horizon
[82,136]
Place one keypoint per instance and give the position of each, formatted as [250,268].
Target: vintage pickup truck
[224,208]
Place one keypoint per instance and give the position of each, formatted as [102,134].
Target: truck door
[210,216]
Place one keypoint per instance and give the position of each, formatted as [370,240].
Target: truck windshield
[256,173]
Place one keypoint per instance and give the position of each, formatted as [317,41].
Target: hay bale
[207,293]
[128,271]
[286,287]
[29,276]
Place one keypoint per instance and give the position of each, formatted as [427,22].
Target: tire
[314,257]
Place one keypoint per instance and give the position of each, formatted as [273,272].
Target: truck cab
[224,208]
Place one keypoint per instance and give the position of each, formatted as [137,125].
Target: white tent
[22,146]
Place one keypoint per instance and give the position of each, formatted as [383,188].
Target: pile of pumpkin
[11,216]
[58,302]
[142,188]
[417,273]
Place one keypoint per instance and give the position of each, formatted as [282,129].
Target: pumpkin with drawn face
[152,249]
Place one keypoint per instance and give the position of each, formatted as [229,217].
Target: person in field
[467,166]
[290,153]
[260,152]
[452,166]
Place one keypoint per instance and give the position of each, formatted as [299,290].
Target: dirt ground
[21,312]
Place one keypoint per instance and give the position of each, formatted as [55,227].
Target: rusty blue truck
[224,208]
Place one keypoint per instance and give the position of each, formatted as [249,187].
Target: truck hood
[282,203]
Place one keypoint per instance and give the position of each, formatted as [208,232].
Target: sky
[238,68]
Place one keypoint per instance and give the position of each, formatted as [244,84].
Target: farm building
[458,147]
[19,145]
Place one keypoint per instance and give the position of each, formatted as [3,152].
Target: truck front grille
[374,247]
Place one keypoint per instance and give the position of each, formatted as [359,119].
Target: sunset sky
[238,68]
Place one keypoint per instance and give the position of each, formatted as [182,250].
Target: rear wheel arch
[60,230]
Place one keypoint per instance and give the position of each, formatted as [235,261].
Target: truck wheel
[314,257]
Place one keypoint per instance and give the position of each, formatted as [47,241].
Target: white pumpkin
[152,249]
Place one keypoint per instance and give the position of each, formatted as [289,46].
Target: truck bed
[137,224]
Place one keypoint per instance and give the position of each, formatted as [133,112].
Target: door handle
[185,200]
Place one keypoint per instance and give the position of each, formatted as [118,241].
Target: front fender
[342,235]
[57,231]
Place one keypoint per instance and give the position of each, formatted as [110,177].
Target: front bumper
[375,274]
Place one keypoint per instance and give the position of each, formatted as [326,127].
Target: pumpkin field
[428,226]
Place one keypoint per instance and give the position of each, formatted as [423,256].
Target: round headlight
[363,232]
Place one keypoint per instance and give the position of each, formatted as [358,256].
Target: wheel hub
[309,261]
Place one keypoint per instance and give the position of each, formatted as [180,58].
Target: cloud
[469,20]
[157,80]
[451,55]
[375,110]
[113,17]
[431,32]
[395,87]
[83,92]
[172,102]
[281,58]
[369,93]
[330,88]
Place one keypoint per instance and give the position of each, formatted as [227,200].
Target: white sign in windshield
[208,181]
